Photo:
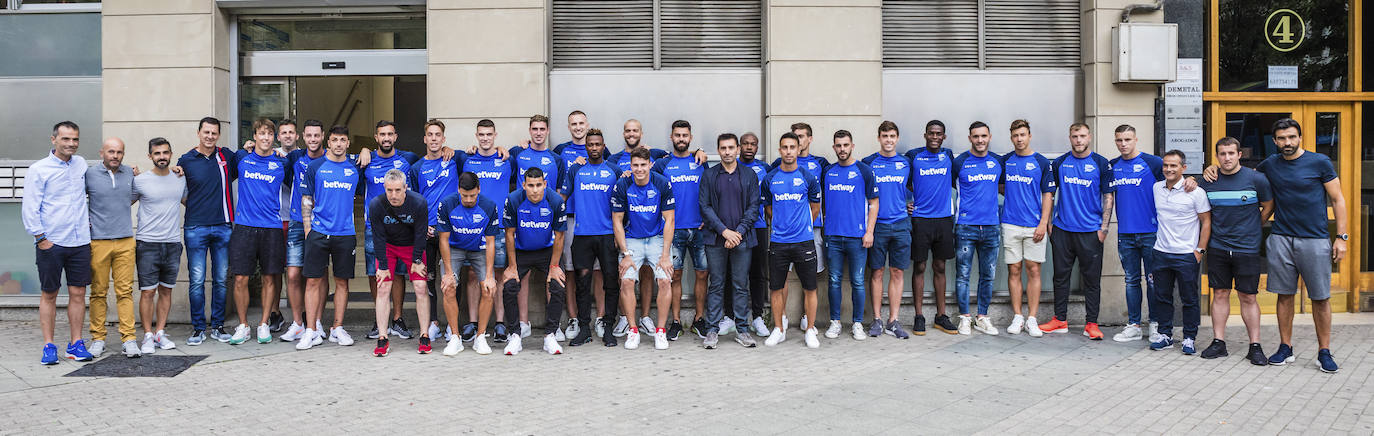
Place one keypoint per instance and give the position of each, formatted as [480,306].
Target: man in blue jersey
[469,226]
[330,240]
[977,174]
[1134,174]
[496,175]
[758,257]
[382,161]
[1084,181]
[633,132]
[588,193]
[1028,189]
[814,165]
[435,178]
[287,139]
[574,152]
[729,201]
[1239,196]
[540,155]
[534,221]
[891,251]
[850,193]
[792,198]
[932,223]
[209,170]
[298,161]
[682,169]
[258,243]
[642,215]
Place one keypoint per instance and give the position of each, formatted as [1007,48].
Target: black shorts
[251,248]
[75,261]
[336,252]
[158,264]
[1231,270]
[932,236]
[800,256]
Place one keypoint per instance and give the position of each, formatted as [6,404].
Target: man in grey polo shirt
[109,187]
[158,242]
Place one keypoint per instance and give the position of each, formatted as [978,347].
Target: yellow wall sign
[1284,30]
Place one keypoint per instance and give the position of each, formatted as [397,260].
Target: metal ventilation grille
[603,33]
[1035,34]
[711,33]
[930,33]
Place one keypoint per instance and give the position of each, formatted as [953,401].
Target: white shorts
[1018,243]
[647,251]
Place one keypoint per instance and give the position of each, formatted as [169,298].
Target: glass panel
[347,33]
[1255,35]
[258,100]
[48,2]
[1366,206]
[1254,132]
[1327,133]
[50,44]
[17,273]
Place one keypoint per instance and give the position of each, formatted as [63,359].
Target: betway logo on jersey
[474,231]
[934,171]
[795,196]
[1133,181]
[891,179]
[259,176]
[1020,179]
[836,187]
[594,187]
[488,174]
[330,184]
[982,177]
[685,178]
[534,224]
[648,208]
[1077,181]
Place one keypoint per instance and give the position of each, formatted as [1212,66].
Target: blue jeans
[689,243]
[214,240]
[735,261]
[841,251]
[986,240]
[1176,272]
[1135,249]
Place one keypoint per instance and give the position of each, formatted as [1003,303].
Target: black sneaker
[220,334]
[674,330]
[469,331]
[699,327]
[918,327]
[276,322]
[1256,355]
[583,336]
[399,329]
[942,322]
[500,336]
[1217,349]
[609,340]
[374,333]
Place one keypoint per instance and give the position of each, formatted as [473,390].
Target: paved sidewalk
[938,383]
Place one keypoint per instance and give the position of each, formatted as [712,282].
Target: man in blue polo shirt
[435,178]
[1028,189]
[330,240]
[540,155]
[891,251]
[385,159]
[642,215]
[209,170]
[932,223]
[682,169]
[1081,216]
[534,221]
[588,193]
[469,226]
[977,174]
[792,197]
[850,194]
[258,244]
[1134,174]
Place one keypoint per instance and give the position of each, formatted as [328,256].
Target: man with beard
[157,244]
[633,132]
[537,155]
[496,175]
[977,174]
[588,193]
[327,209]
[382,161]
[683,171]
[814,165]
[850,204]
[1081,216]
[298,161]
[792,197]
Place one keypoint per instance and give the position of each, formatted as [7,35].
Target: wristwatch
[1200,250]
[1344,236]
[627,253]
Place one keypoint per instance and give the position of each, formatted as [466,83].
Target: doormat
[146,366]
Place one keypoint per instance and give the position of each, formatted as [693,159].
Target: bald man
[109,189]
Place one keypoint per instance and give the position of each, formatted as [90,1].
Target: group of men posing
[532,211]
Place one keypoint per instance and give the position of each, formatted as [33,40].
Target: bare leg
[450,296]
[918,286]
[1014,286]
[147,305]
[1032,286]
[646,290]
[699,291]
[894,293]
[270,295]
[422,305]
[295,295]
[875,291]
[1321,316]
[664,292]
[341,300]
[381,296]
[76,313]
[398,299]
[778,299]
[675,304]
[938,277]
[314,301]
[1284,309]
[47,315]
[809,296]
[627,302]
[484,305]
[241,298]
[473,294]
[1221,309]
[1250,313]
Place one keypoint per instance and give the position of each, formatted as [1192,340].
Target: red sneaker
[383,348]
[424,345]
[1055,326]
[1092,332]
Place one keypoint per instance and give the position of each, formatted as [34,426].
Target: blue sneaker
[49,354]
[1189,347]
[77,351]
[1325,362]
[196,337]
[1282,357]
[1163,343]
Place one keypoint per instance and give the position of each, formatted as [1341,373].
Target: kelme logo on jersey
[934,171]
[794,196]
[648,208]
[534,224]
[1077,181]
[259,176]
[330,184]
[982,177]
[685,178]
[837,187]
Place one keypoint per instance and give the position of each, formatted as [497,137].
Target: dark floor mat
[146,366]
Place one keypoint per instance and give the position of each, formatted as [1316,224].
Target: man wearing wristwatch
[642,214]
[1185,226]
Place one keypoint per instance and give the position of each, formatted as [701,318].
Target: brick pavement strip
[933,384]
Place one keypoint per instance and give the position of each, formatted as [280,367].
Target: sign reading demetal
[1284,30]
[1183,112]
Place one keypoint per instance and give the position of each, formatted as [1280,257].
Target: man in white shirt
[1185,225]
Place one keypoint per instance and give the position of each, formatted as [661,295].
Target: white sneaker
[622,325]
[524,329]
[599,327]
[802,325]
[859,332]
[448,333]
[319,328]
[811,340]
[513,345]
[559,336]
[163,341]
[661,340]
[318,338]
[784,323]
[149,344]
[834,330]
[433,330]
[453,348]
[574,329]
[1155,336]
[340,336]
[776,337]
[551,345]
[631,340]
[646,324]
[759,326]
[727,326]
[1017,324]
[307,340]
[293,333]
[1033,328]
[241,334]
[479,345]
[264,334]
[964,322]
[984,324]
[1129,333]
[1154,327]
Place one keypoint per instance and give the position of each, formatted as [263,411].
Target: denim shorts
[891,245]
[158,264]
[295,244]
[688,242]
[369,259]
[646,252]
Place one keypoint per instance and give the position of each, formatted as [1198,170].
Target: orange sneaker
[1055,326]
[1092,332]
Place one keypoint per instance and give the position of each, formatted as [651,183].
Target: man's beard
[162,163]
[386,147]
[681,147]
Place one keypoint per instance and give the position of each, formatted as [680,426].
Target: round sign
[1284,30]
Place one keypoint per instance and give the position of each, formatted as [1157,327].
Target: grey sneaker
[96,348]
[876,329]
[746,340]
[131,349]
[712,338]
[895,329]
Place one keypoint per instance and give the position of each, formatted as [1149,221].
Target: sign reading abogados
[1284,30]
